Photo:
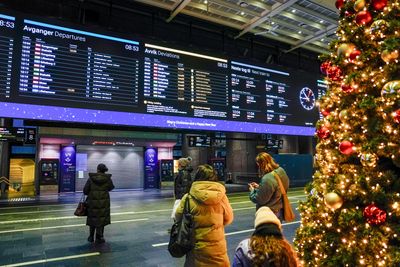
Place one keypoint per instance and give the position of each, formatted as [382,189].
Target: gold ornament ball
[392,87]
[368,159]
[345,49]
[379,24]
[389,56]
[333,200]
[359,5]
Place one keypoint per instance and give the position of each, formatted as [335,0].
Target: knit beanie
[265,215]
[183,162]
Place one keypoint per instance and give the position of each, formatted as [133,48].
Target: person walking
[266,247]
[268,193]
[182,181]
[211,211]
[98,202]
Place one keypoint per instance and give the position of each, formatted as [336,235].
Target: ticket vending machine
[219,166]
[167,170]
[49,172]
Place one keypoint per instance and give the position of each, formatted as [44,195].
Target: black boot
[91,235]
[99,235]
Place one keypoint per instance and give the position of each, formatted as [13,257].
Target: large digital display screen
[57,72]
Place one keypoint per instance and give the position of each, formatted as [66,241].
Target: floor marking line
[64,226]
[52,259]
[113,214]
[228,234]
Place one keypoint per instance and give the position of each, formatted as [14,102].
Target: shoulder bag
[81,210]
[181,240]
[288,214]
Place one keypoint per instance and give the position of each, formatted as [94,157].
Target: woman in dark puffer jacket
[98,202]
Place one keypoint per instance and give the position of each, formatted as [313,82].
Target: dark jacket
[96,188]
[183,182]
[269,193]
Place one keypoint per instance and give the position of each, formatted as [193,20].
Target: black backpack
[181,240]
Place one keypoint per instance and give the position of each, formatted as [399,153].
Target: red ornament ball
[339,4]
[396,116]
[334,73]
[354,54]
[323,132]
[346,147]
[324,67]
[374,215]
[379,4]
[325,112]
[363,17]
[347,88]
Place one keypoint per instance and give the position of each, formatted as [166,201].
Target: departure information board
[60,63]
[58,72]
[178,82]
[7,32]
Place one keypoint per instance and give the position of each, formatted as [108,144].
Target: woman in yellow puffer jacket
[211,210]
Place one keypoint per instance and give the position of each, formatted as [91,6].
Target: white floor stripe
[64,226]
[114,214]
[52,259]
[44,211]
[227,234]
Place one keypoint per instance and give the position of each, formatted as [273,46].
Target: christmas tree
[352,213]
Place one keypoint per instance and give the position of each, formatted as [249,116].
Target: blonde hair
[265,163]
[276,249]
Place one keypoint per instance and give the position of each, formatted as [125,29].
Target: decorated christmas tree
[352,213]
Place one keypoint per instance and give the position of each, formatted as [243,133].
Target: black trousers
[99,231]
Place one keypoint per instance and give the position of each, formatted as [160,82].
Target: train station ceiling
[310,24]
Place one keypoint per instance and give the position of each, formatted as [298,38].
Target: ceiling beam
[235,7]
[312,38]
[317,14]
[276,8]
[177,8]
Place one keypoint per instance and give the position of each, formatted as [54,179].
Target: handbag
[81,210]
[288,214]
[181,240]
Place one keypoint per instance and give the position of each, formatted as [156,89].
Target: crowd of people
[211,211]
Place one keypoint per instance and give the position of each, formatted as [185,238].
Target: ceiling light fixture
[242,13]
[293,10]
[243,4]
[322,39]
[205,2]
[321,21]
[272,23]
[299,32]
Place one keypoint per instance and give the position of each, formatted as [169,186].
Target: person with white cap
[266,247]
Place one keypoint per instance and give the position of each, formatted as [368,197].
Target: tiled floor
[47,230]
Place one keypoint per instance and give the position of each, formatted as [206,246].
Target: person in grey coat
[98,202]
[268,193]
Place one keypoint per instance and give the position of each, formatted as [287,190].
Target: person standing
[182,181]
[266,247]
[97,189]
[268,193]
[211,211]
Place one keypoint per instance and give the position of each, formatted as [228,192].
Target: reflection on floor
[46,232]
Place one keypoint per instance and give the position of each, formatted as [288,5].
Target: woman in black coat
[98,202]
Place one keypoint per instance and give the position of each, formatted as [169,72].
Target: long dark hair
[206,173]
[278,250]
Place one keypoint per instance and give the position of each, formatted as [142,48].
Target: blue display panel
[60,64]
[61,73]
[7,33]
[183,83]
